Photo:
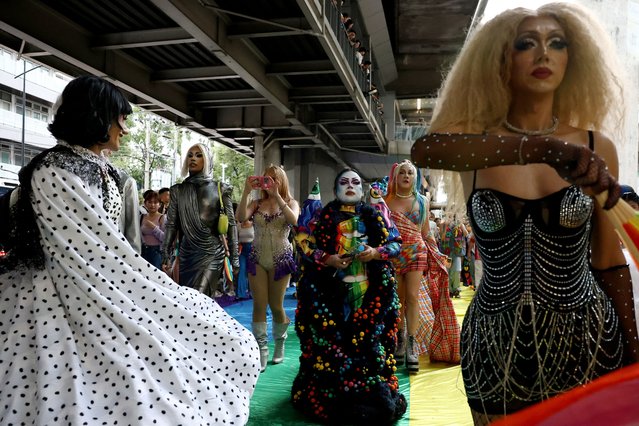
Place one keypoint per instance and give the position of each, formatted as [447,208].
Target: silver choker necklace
[541,132]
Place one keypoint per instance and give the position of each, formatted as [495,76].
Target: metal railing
[333,15]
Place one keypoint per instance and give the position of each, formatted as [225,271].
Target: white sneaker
[412,357]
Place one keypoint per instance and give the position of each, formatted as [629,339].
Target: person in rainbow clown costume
[347,312]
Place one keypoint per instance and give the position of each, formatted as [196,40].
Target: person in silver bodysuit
[520,116]
[192,221]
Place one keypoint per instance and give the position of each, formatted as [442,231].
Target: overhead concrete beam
[38,25]
[207,27]
[225,96]
[194,74]
[374,20]
[146,38]
[301,68]
[248,118]
[272,28]
[319,92]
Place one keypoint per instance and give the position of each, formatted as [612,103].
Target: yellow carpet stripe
[437,394]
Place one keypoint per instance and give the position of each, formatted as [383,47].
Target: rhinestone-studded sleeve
[617,284]
[465,151]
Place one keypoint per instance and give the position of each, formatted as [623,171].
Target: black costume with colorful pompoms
[347,371]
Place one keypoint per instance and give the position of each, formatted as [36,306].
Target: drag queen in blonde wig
[520,115]
[271,261]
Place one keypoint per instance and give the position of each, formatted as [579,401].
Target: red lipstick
[542,73]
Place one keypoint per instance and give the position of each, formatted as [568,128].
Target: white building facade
[621,19]
[42,86]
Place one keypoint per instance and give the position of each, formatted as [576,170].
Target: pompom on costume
[347,320]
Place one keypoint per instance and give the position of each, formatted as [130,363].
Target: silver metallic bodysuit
[539,324]
[193,215]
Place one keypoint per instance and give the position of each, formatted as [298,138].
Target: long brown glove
[460,152]
[617,284]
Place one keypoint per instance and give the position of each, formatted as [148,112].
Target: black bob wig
[88,107]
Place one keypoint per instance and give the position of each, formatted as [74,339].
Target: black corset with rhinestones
[532,250]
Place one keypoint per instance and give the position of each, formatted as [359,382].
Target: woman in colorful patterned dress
[271,261]
[347,314]
[427,313]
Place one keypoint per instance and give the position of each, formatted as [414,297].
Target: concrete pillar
[389,114]
[273,155]
[307,156]
[258,149]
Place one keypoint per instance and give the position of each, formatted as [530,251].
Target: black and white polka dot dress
[102,337]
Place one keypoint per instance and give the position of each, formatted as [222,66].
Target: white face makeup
[349,188]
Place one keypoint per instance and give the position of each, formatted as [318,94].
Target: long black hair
[88,107]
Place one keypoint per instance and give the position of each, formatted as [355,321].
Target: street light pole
[24,104]
[24,100]
[223,169]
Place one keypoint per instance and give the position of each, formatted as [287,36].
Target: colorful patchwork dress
[438,329]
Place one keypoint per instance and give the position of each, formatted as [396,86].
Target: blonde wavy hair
[279,176]
[476,95]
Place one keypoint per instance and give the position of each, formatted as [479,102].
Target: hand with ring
[339,261]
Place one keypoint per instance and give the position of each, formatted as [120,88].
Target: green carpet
[435,395]
[270,404]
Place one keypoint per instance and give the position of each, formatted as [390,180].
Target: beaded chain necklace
[540,132]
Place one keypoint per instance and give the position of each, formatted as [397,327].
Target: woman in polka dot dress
[90,332]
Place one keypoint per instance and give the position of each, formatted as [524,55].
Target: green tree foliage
[238,168]
[150,146]
[154,142]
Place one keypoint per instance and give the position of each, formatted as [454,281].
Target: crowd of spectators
[363,56]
